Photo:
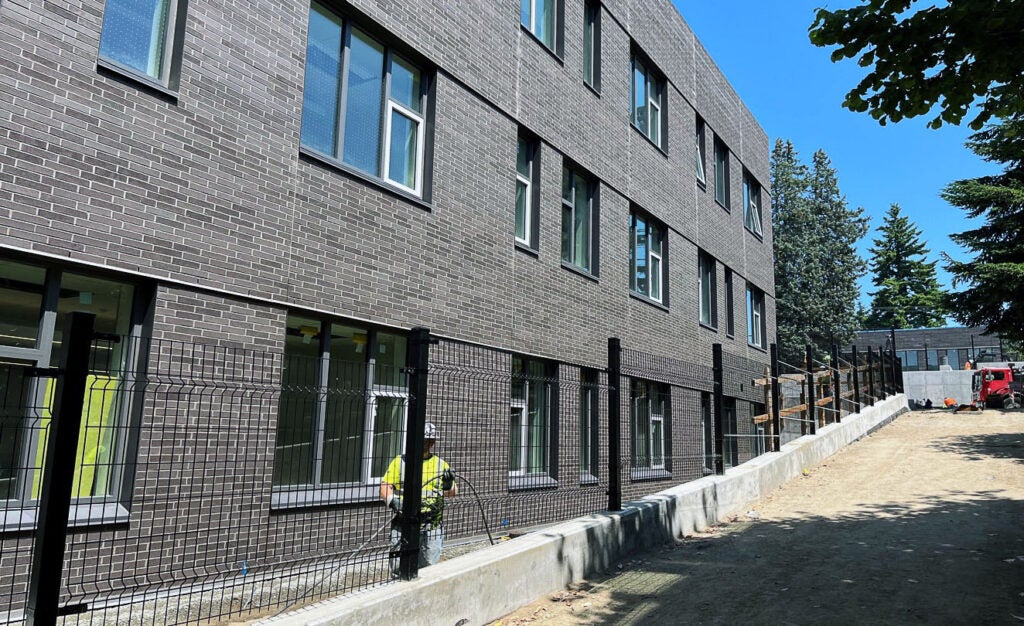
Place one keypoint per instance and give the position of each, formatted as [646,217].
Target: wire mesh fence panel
[667,431]
[524,436]
[746,390]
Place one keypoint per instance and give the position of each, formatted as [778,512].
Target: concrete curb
[484,585]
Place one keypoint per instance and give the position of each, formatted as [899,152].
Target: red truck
[996,387]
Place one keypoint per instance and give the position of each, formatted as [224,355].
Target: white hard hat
[429,431]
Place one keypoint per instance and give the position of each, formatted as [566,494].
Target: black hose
[483,515]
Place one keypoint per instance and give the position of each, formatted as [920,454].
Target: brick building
[311,180]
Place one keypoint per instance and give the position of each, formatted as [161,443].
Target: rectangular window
[755,317]
[578,220]
[533,389]
[699,153]
[647,95]
[708,290]
[363,104]
[708,432]
[730,434]
[592,44]
[730,314]
[342,412]
[588,425]
[751,204]
[541,17]
[527,193]
[721,173]
[647,252]
[36,301]
[649,416]
[139,36]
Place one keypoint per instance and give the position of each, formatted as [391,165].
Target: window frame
[655,133]
[700,158]
[569,204]
[168,80]
[592,44]
[655,398]
[707,282]
[523,478]
[318,491]
[588,422]
[722,174]
[652,258]
[752,215]
[730,314]
[389,105]
[531,212]
[21,511]
[557,20]
[756,325]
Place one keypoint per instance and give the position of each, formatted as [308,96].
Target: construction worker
[438,483]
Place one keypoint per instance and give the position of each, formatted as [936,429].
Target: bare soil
[921,522]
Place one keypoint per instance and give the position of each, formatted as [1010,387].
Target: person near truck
[438,484]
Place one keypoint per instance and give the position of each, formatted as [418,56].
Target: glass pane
[515,440]
[111,302]
[567,180]
[388,433]
[522,210]
[134,34]
[567,233]
[546,22]
[518,380]
[405,84]
[21,291]
[537,416]
[588,43]
[403,152]
[581,225]
[655,278]
[15,429]
[297,412]
[346,405]
[363,103]
[633,265]
[390,357]
[523,158]
[639,97]
[657,444]
[525,13]
[584,426]
[641,256]
[655,113]
[321,87]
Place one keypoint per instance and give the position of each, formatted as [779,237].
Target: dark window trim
[593,7]
[176,40]
[727,205]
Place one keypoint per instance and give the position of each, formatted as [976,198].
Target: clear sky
[795,92]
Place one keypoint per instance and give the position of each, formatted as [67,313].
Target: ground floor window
[588,425]
[649,416]
[534,385]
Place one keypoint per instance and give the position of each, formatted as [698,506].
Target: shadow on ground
[979,447]
[954,558]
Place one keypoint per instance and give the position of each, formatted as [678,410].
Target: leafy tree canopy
[947,56]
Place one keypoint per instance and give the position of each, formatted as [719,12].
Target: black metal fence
[208,482]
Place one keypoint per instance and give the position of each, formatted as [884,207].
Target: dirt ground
[922,522]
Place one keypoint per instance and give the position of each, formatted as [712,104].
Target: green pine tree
[993,296]
[908,293]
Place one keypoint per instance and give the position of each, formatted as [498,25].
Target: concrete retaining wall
[489,583]
[954,384]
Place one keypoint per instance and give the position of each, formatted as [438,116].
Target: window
[708,432]
[755,317]
[730,315]
[533,390]
[708,290]
[592,44]
[140,36]
[730,433]
[527,193]
[588,425]
[578,221]
[342,411]
[542,18]
[36,301]
[699,156]
[647,248]
[721,173]
[751,204]
[649,416]
[647,93]
[363,104]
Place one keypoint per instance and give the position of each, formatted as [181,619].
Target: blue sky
[796,92]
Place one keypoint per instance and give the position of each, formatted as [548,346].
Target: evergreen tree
[994,278]
[839,230]
[908,293]
[816,263]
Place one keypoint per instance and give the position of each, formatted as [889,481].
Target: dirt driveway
[922,522]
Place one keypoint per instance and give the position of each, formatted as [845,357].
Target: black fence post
[718,371]
[614,424]
[881,373]
[59,472]
[894,384]
[837,385]
[899,375]
[812,408]
[856,379]
[871,375]
[417,361]
[776,420]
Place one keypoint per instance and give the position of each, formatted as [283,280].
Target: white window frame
[655,289]
[570,202]
[370,424]
[655,261]
[592,30]
[532,26]
[588,424]
[531,147]
[755,317]
[652,394]
[654,104]
[701,173]
[722,173]
[751,202]
[522,404]
[657,418]
[392,106]
[706,266]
